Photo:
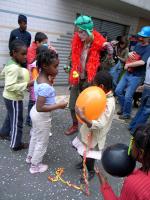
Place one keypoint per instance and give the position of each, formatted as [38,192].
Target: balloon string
[89,138]
[87,192]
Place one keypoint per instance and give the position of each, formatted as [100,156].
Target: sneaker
[21,146]
[28,159]
[71,130]
[4,137]
[39,168]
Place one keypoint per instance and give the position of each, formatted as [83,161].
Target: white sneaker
[50,134]
[39,168]
[28,159]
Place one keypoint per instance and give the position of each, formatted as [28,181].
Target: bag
[129,60]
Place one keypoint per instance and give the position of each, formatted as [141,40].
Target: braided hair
[142,141]
[45,56]
[15,46]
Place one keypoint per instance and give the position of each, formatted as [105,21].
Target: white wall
[54,17]
[139,3]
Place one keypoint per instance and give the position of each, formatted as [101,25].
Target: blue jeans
[144,111]
[115,72]
[125,91]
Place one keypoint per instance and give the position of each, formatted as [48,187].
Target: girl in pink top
[137,185]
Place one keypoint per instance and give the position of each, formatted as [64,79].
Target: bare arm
[81,115]
[42,107]
[135,64]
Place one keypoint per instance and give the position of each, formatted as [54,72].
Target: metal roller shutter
[97,24]
[111,28]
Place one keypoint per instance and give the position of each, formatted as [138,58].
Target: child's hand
[30,84]
[63,104]
[100,176]
[80,112]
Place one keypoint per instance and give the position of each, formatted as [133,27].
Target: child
[137,185]
[96,130]
[47,62]
[40,39]
[13,95]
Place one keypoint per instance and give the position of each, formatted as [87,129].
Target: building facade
[55,18]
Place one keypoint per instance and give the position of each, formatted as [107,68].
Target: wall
[54,17]
[145,4]
[142,22]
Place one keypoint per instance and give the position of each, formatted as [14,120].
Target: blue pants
[115,72]
[144,111]
[125,91]
[13,123]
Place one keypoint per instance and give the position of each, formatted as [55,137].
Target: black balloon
[116,161]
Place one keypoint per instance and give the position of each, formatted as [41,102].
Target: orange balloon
[93,101]
[35,73]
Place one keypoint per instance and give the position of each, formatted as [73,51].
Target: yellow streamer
[59,173]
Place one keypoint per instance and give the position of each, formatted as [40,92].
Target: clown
[85,60]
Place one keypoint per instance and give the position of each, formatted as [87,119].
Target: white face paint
[83,35]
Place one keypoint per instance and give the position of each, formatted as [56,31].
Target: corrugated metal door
[112,29]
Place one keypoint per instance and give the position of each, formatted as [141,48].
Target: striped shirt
[136,187]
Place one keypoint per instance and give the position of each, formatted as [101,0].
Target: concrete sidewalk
[17,183]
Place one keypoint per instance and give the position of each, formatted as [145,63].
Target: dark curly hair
[104,78]
[45,56]
[15,46]
[142,141]
[39,36]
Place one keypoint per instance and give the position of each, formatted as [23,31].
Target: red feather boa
[93,60]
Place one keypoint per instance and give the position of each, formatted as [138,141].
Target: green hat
[84,23]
